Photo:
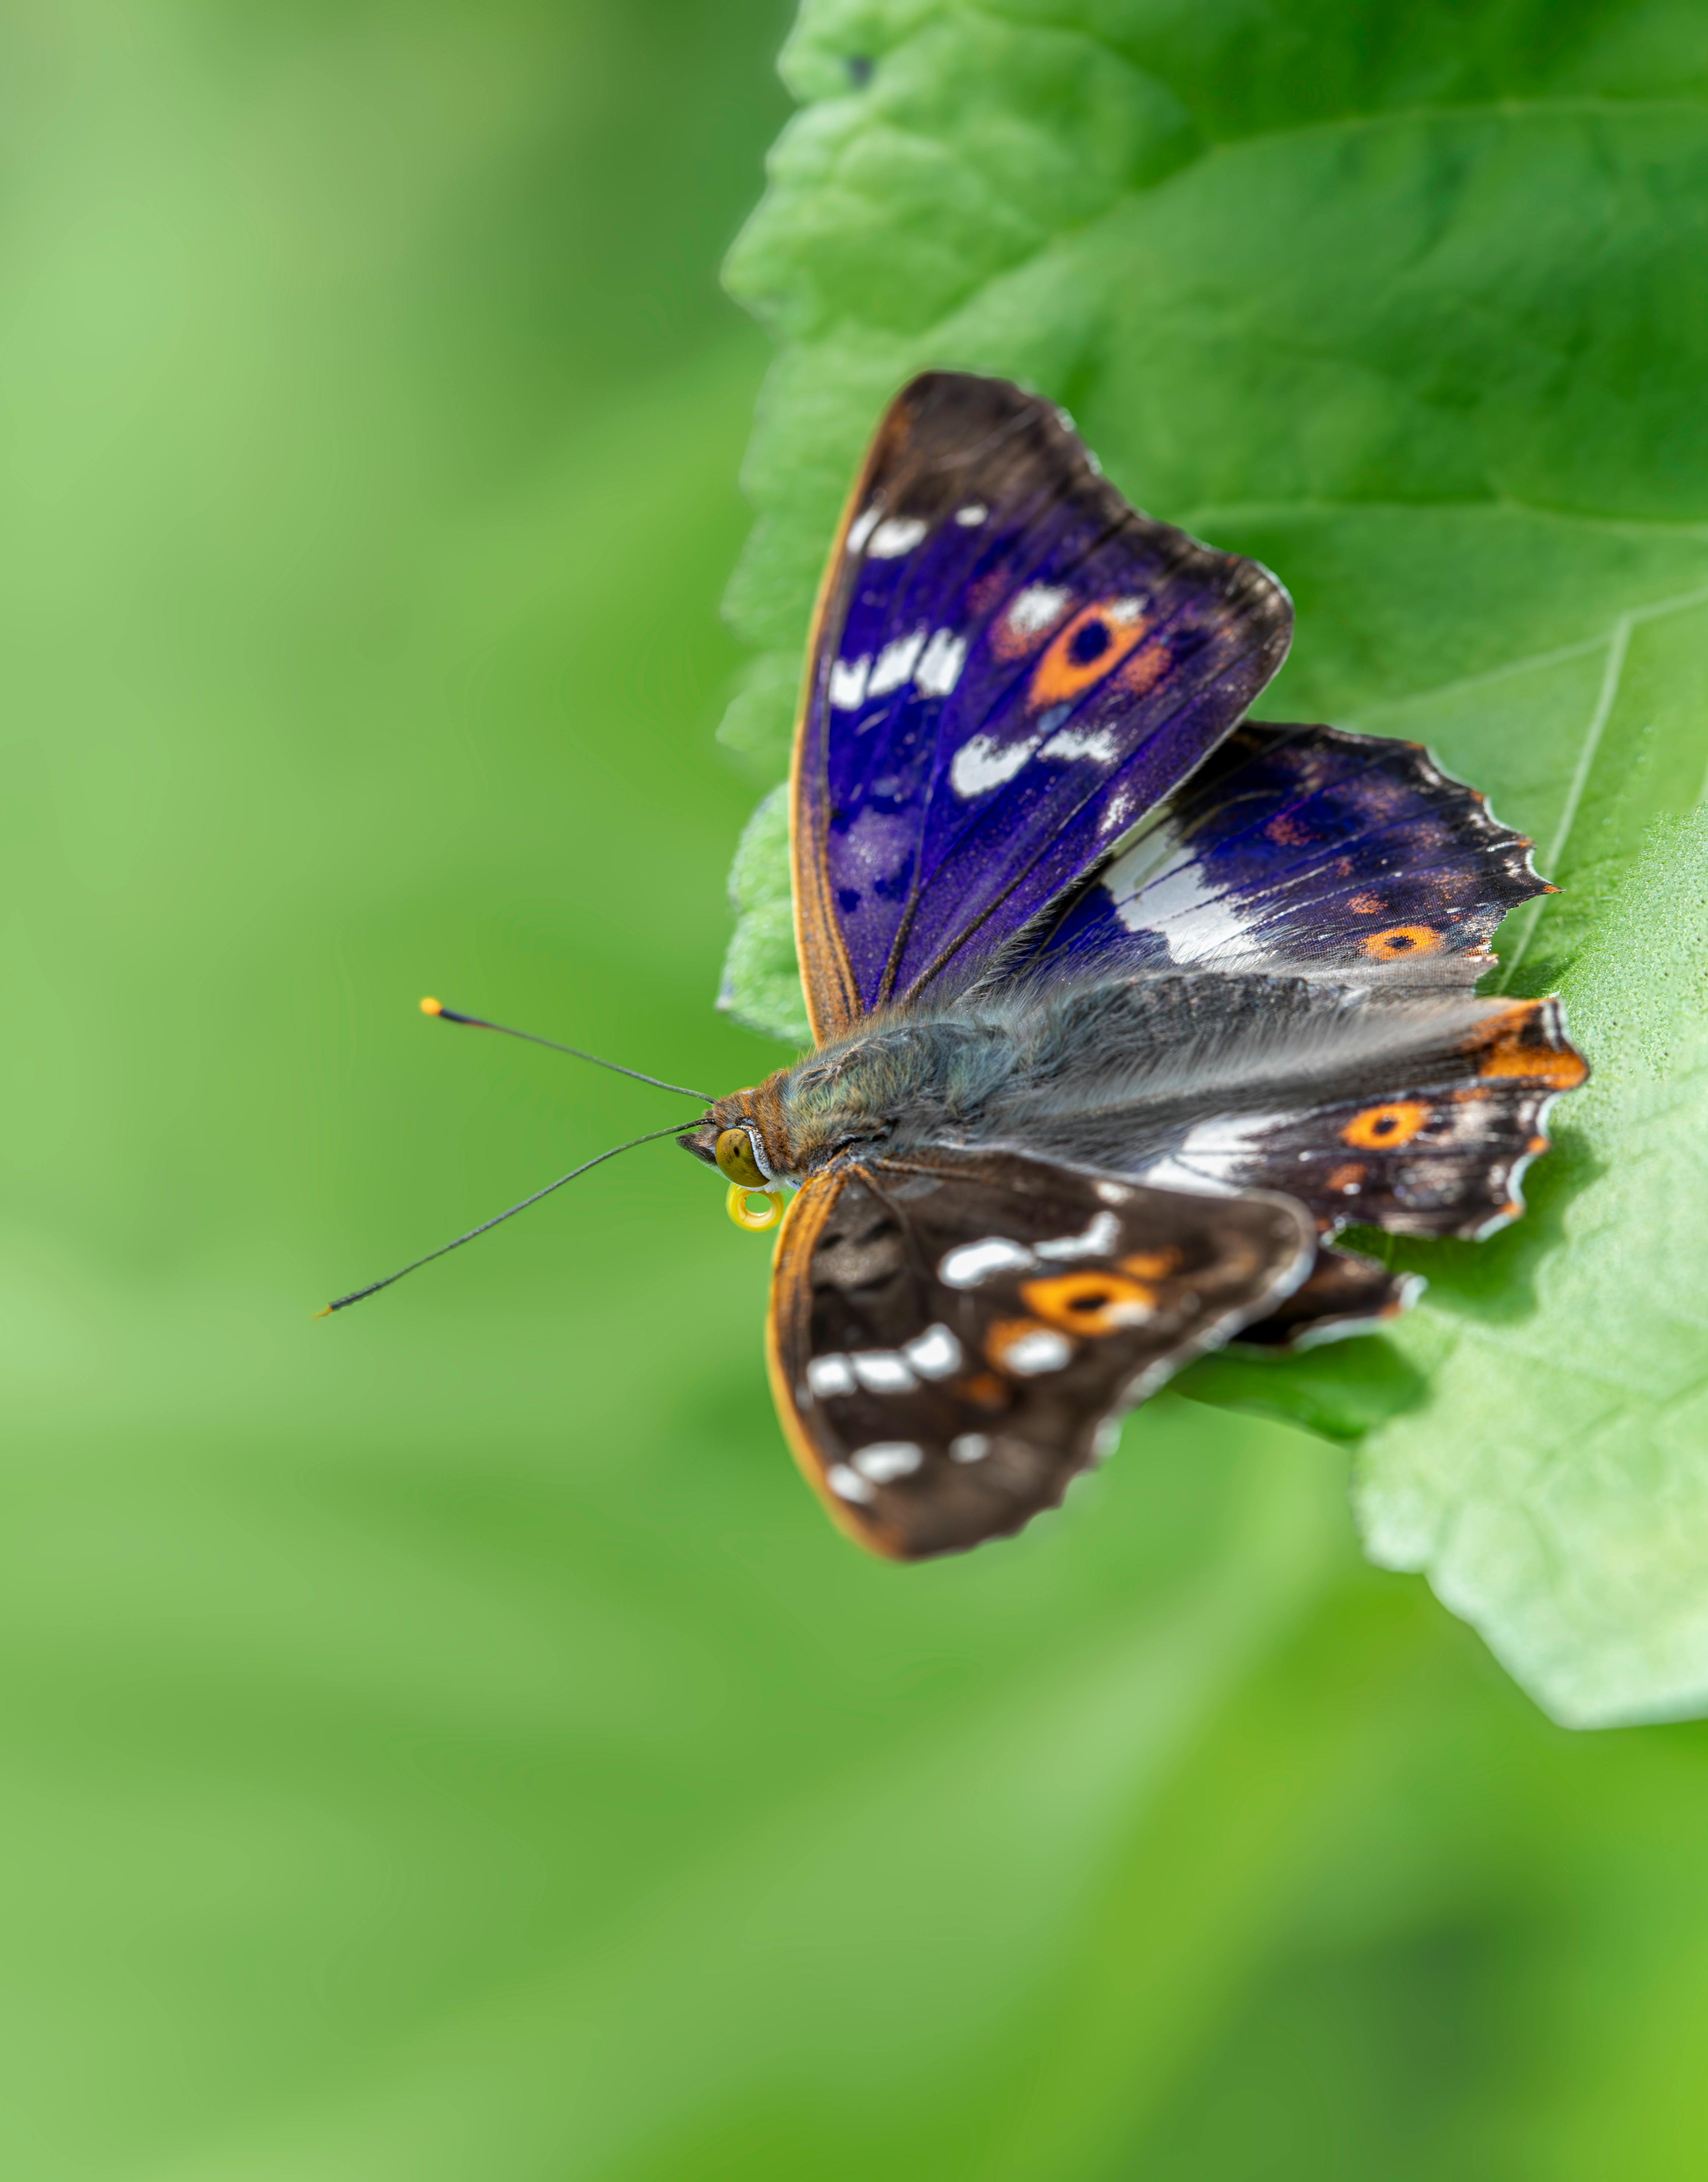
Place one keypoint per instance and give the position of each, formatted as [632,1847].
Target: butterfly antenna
[430,1007]
[357,1295]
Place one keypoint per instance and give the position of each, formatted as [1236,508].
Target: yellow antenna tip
[327,1313]
[432,1007]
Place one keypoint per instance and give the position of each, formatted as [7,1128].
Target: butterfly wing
[1416,1114]
[1304,857]
[951,1333]
[1008,666]
[1311,851]
[1413,1115]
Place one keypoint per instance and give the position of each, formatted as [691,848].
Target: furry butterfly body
[1123,1010]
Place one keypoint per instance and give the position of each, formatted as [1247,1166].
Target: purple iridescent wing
[1309,851]
[1009,668]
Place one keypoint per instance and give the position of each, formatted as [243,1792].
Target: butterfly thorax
[891,1085]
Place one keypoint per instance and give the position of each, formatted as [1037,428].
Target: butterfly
[1123,1006]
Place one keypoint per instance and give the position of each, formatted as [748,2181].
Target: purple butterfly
[1121,1009]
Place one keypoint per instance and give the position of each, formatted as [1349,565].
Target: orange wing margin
[789,1345]
[827,977]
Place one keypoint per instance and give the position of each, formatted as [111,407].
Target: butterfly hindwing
[1344,1293]
[1008,667]
[1416,1112]
[950,1332]
[1428,1137]
[1309,851]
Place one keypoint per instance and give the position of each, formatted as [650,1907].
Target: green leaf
[1413,305]
[762,981]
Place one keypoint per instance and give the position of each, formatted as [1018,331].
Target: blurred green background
[447,1742]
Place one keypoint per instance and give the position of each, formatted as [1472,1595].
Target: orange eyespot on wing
[1386,1127]
[1093,1304]
[1400,939]
[1092,646]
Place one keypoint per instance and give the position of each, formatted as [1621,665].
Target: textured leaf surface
[762,979]
[1413,306]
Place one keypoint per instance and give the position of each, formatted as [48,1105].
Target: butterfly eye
[735,1160]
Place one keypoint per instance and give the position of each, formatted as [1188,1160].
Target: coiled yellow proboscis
[754,1210]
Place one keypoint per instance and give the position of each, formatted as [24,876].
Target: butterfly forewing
[1009,665]
[951,1331]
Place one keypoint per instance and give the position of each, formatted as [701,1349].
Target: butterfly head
[845,1097]
[741,1136]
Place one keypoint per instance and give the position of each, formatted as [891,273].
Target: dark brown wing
[1425,1131]
[1346,1293]
[951,1333]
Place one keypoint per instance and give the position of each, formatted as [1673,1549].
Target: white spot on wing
[1120,810]
[939,670]
[1099,1240]
[894,662]
[1196,921]
[1113,1192]
[887,1458]
[1035,608]
[845,1483]
[970,1263]
[935,1354]
[848,683]
[1214,1152]
[983,764]
[1040,1350]
[970,517]
[861,529]
[969,1447]
[1128,1312]
[830,1375]
[899,535]
[882,1371]
[1169,1174]
[1222,1141]
[1099,743]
